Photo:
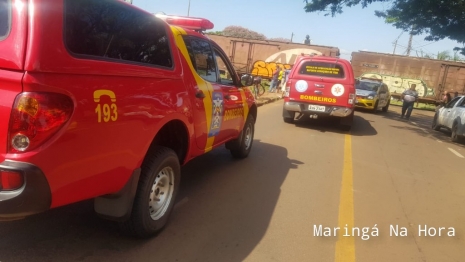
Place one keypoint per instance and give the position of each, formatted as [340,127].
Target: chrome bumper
[336,111]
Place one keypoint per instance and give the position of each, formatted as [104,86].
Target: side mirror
[247,80]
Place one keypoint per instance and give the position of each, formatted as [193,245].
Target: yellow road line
[345,245]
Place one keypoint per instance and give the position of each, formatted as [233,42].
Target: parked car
[320,86]
[100,99]
[372,94]
[452,117]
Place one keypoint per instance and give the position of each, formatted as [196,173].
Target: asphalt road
[385,173]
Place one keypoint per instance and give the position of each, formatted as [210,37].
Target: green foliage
[214,33]
[438,19]
[444,55]
[280,39]
[241,32]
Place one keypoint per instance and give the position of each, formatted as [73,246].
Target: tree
[214,32]
[456,57]
[241,32]
[437,19]
[444,55]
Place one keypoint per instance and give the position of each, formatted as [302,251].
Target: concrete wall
[399,72]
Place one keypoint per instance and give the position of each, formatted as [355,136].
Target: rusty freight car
[398,72]
[260,57]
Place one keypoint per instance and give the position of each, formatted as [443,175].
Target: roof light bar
[193,23]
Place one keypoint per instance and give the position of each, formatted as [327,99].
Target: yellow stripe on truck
[203,85]
[244,104]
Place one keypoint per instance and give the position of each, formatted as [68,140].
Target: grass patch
[420,106]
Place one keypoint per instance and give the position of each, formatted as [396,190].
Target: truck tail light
[10,180]
[193,23]
[351,99]
[35,118]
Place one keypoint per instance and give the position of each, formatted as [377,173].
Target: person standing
[408,97]
[446,98]
[280,80]
[285,78]
[274,80]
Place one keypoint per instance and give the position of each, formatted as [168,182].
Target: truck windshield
[5,18]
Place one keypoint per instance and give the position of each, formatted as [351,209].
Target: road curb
[266,100]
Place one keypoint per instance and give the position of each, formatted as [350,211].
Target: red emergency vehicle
[100,99]
[320,86]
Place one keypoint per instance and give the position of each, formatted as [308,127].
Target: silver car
[452,117]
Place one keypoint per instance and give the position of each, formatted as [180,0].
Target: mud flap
[118,207]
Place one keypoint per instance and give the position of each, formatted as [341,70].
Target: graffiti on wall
[266,69]
[284,59]
[399,84]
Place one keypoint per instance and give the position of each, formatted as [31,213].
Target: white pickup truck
[452,117]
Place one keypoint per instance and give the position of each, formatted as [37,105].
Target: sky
[356,29]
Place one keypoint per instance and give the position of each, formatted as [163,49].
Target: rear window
[5,18]
[322,69]
[113,30]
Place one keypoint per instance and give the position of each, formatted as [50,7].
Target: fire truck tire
[288,116]
[241,146]
[156,193]
[346,123]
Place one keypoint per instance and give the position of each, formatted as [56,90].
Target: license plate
[317,108]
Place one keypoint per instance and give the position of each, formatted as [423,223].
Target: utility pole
[395,45]
[292,35]
[395,42]
[409,47]
[188,7]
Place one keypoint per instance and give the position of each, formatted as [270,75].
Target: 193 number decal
[105,112]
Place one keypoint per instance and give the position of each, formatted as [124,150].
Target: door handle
[228,97]
[199,94]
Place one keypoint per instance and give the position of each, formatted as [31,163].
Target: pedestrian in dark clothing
[408,97]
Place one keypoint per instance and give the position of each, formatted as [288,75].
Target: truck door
[211,101]
[456,110]
[383,95]
[448,112]
[234,111]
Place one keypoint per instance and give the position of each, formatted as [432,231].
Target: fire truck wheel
[346,122]
[241,146]
[156,193]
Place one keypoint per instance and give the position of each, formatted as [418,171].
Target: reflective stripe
[244,104]
[203,85]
